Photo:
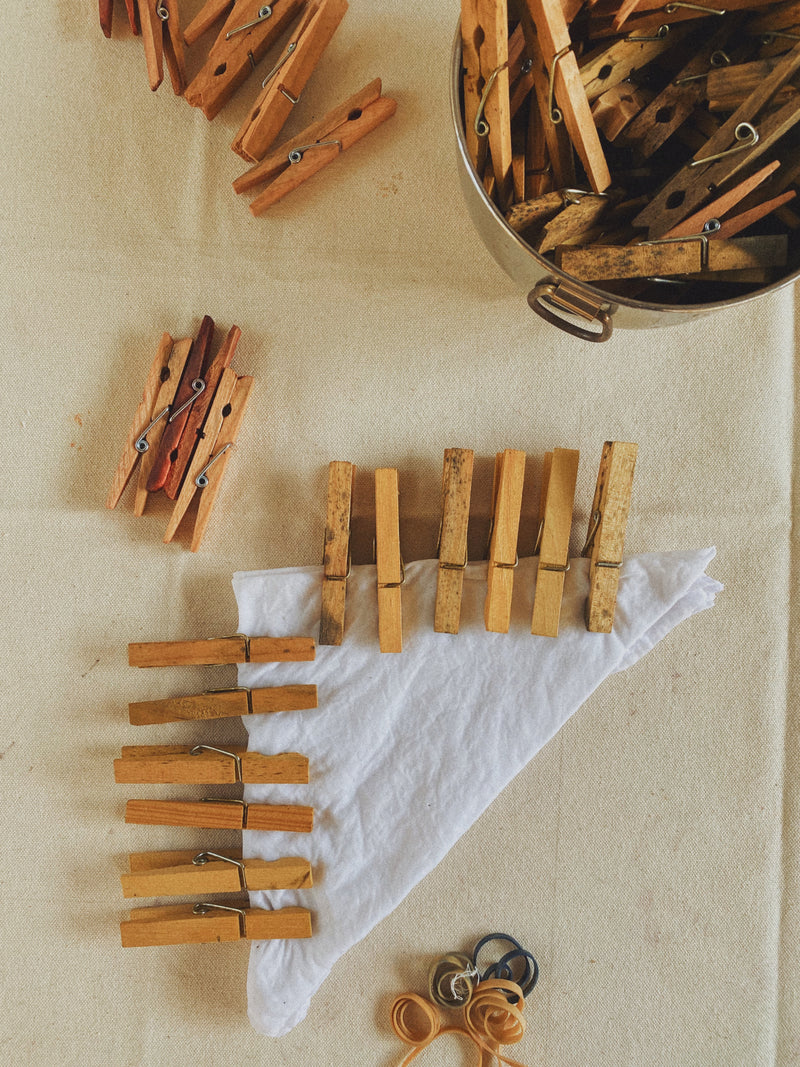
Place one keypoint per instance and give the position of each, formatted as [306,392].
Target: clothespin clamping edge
[207,922]
[188,873]
[107,15]
[163,40]
[558,495]
[207,765]
[509,476]
[388,560]
[336,558]
[452,548]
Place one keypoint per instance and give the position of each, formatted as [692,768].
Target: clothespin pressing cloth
[421,739]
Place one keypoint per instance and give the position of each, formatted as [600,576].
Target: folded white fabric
[394,734]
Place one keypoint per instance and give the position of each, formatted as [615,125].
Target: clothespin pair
[559,477]
[188,873]
[207,765]
[185,427]
[159,24]
[207,922]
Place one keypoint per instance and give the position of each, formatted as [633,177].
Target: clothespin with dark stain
[107,15]
[163,41]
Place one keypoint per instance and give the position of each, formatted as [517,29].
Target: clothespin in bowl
[452,551]
[107,15]
[207,923]
[336,554]
[509,476]
[189,873]
[162,40]
[558,495]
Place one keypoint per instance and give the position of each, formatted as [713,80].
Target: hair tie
[452,979]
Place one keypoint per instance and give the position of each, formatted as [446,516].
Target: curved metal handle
[543,294]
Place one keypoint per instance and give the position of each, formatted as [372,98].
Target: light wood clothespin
[217,650]
[558,493]
[452,551]
[336,553]
[107,14]
[162,40]
[206,765]
[509,476]
[223,704]
[605,539]
[673,256]
[297,159]
[217,814]
[283,85]
[607,66]
[205,923]
[188,873]
[388,560]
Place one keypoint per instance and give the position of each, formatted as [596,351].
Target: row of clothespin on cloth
[249,30]
[604,542]
[182,873]
[185,427]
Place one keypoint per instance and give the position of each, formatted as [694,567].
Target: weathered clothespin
[250,30]
[609,65]
[302,156]
[388,560]
[606,536]
[215,814]
[727,87]
[641,18]
[617,109]
[558,492]
[283,85]
[452,550]
[107,14]
[336,554]
[206,923]
[162,40]
[188,873]
[575,223]
[721,205]
[223,704]
[509,475]
[206,765]
[216,650]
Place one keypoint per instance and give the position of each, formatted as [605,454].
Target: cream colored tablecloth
[649,853]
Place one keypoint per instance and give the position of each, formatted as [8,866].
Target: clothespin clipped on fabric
[336,554]
[452,550]
[162,40]
[282,87]
[558,496]
[217,650]
[223,704]
[206,922]
[206,765]
[509,476]
[212,813]
[250,30]
[107,15]
[188,873]
[605,539]
[302,156]
[388,560]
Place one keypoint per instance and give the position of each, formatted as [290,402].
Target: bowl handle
[548,293]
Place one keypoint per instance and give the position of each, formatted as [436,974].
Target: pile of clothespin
[638,143]
[604,542]
[249,31]
[190,873]
[185,427]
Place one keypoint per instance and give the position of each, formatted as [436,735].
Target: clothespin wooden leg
[606,538]
[389,563]
[456,492]
[509,475]
[554,545]
[336,557]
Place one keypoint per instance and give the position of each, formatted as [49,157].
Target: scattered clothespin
[558,491]
[188,873]
[205,923]
[217,650]
[336,554]
[736,223]
[302,156]
[283,85]
[606,536]
[223,704]
[216,814]
[509,475]
[107,14]
[388,560]
[207,765]
[452,550]
[162,40]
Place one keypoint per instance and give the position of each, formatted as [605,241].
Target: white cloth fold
[395,735]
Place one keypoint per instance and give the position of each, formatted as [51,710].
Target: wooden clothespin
[250,30]
[206,765]
[283,85]
[609,65]
[644,17]
[188,873]
[558,493]
[388,560]
[223,704]
[605,539]
[297,159]
[727,87]
[336,553]
[618,108]
[217,650]
[162,40]
[509,475]
[574,224]
[721,205]
[452,551]
[107,14]
[205,923]
[215,814]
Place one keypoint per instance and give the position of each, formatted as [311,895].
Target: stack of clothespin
[183,873]
[637,140]
[249,31]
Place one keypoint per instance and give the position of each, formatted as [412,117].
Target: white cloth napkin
[399,734]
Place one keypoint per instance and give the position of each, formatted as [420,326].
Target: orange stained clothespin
[223,704]
[216,650]
[216,814]
[190,872]
[509,476]
[163,40]
[107,14]
[207,765]
[206,923]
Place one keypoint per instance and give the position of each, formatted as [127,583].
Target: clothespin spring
[745,134]
[711,226]
[198,385]
[659,35]
[296,154]
[716,59]
[263,13]
[205,906]
[289,49]
[237,759]
[162,10]
[142,444]
[201,481]
[554,112]
[481,126]
[202,858]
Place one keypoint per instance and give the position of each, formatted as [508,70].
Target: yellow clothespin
[509,476]
[388,559]
[452,552]
[336,555]
[606,537]
[558,494]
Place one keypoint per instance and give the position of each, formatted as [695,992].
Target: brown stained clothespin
[538,166]
[336,553]
[283,85]
[189,872]
[452,551]
[560,156]
[572,224]
[206,923]
[728,87]
[722,205]
[610,65]
[206,765]
[673,256]
[558,491]
[388,560]
[163,40]
[107,14]
[218,814]
[606,535]
[209,14]
[642,17]
[288,166]
[509,476]
[217,650]
[617,109]
[250,30]
[223,704]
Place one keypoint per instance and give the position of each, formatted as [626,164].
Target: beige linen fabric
[649,853]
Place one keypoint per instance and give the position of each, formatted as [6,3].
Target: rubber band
[452,979]
[502,969]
